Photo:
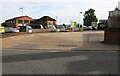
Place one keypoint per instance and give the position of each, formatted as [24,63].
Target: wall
[112,31]
[112,36]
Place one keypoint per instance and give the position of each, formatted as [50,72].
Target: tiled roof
[45,18]
[17,18]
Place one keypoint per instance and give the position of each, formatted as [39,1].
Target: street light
[79,23]
[81,13]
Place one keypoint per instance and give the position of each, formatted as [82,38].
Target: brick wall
[112,35]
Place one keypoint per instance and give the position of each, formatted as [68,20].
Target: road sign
[73,24]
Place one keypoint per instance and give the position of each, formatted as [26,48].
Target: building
[112,31]
[17,21]
[45,21]
[102,24]
[119,4]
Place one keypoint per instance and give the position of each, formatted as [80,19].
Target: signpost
[2,30]
[73,24]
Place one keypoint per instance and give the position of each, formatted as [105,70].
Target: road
[59,53]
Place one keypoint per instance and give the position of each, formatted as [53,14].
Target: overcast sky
[65,10]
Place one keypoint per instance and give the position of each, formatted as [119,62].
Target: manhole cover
[67,45]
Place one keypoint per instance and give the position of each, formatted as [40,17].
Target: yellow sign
[2,30]
[73,24]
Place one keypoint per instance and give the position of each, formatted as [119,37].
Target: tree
[89,17]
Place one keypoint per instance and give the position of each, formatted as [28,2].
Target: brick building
[45,21]
[17,21]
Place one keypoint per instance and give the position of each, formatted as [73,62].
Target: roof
[34,19]
[45,18]
[18,17]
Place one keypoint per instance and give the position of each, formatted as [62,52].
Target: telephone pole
[22,16]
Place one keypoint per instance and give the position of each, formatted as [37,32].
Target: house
[112,31]
[45,21]
[17,21]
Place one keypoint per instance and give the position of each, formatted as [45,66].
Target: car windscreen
[50,27]
[59,27]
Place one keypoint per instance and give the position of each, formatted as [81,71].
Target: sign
[73,24]
[94,24]
[2,30]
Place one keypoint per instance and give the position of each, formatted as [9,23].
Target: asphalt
[75,62]
[59,53]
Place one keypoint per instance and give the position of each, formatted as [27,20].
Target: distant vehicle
[67,27]
[41,26]
[11,30]
[37,26]
[15,30]
[22,28]
[60,28]
[76,28]
[8,29]
[101,26]
[25,28]
[29,29]
[86,28]
[52,28]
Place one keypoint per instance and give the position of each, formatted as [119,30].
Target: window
[26,21]
[14,21]
[20,21]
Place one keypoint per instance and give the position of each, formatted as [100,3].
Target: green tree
[89,17]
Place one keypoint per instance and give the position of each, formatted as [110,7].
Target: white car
[52,28]
[29,29]
[60,28]
[15,30]
[86,28]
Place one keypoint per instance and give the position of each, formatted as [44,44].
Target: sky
[63,11]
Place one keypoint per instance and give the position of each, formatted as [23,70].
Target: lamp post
[81,13]
[79,22]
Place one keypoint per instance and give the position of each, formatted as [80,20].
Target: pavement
[59,53]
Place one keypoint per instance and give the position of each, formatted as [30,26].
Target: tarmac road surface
[59,53]
[74,62]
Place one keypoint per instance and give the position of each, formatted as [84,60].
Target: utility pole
[22,16]
[56,20]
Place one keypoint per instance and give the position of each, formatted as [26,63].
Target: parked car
[16,30]
[60,28]
[52,28]
[86,28]
[67,28]
[29,29]
[22,28]
[11,30]
[37,26]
